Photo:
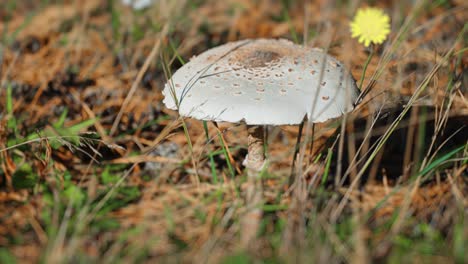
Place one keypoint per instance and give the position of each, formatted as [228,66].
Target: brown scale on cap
[252,56]
[261,58]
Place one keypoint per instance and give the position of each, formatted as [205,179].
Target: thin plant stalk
[365,66]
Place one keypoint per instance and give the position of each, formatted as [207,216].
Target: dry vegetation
[93,167]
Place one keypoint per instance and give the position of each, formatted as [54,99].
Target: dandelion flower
[370,25]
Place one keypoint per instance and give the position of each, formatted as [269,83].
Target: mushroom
[261,82]
[138,4]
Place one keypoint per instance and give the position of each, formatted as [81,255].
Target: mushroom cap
[263,82]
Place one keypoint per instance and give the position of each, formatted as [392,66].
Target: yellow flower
[370,25]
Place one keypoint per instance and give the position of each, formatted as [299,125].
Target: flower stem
[365,66]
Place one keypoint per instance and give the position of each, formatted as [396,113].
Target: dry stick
[374,168]
[305,33]
[410,136]
[38,230]
[255,162]
[138,79]
[404,208]
[352,152]
[296,151]
[360,253]
[339,165]
[457,193]
[311,148]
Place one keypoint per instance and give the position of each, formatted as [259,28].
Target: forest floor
[94,168]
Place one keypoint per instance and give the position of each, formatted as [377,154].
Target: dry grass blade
[136,83]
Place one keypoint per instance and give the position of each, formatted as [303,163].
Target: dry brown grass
[70,56]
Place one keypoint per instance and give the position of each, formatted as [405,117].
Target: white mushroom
[261,82]
[138,4]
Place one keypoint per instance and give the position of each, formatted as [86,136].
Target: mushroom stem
[254,163]
[256,154]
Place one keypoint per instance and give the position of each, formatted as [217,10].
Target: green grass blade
[226,154]
[327,166]
[11,123]
[440,161]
